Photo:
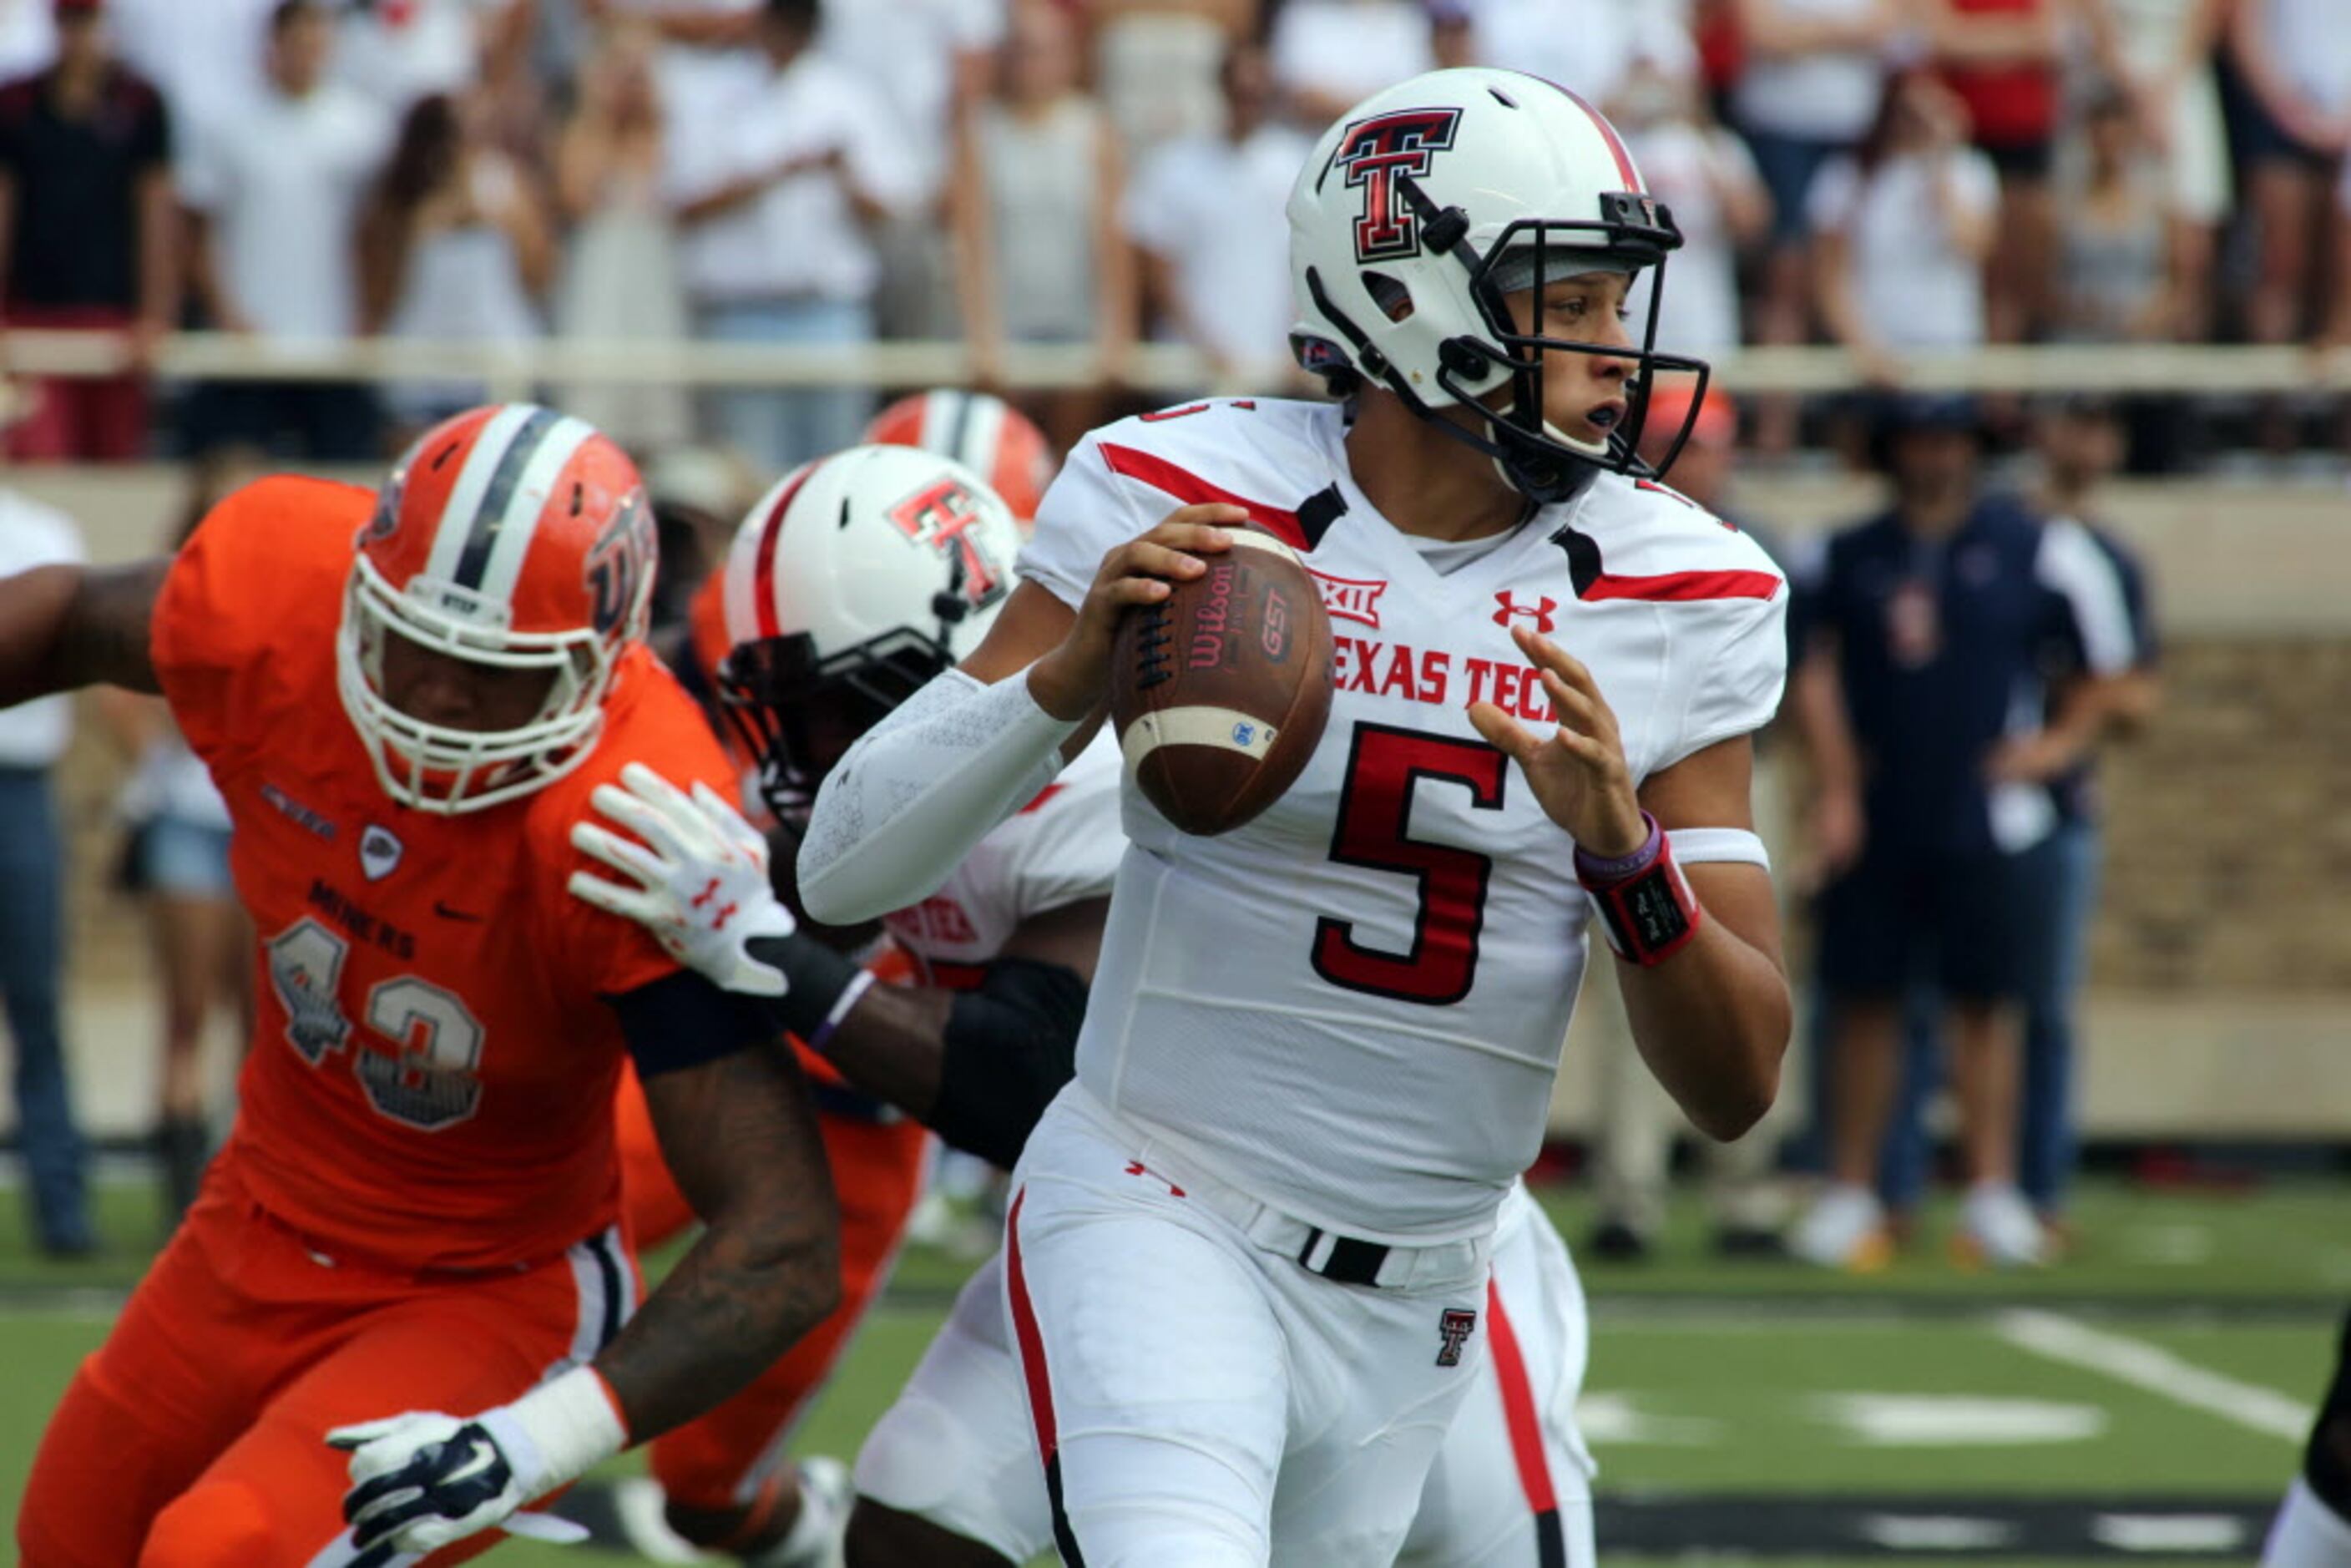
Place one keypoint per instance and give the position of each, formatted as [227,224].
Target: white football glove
[701,887]
[423,1479]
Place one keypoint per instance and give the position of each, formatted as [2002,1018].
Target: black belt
[1351,1263]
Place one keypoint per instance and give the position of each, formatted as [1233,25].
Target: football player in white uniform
[1247,1251]
[850,584]
[946,1478]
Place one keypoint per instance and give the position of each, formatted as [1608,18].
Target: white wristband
[1718,846]
[558,1431]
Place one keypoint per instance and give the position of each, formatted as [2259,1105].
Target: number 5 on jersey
[1384,766]
[427,1081]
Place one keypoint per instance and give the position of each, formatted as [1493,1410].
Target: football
[1219,691]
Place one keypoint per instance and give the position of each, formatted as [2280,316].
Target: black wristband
[1652,915]
[814,977]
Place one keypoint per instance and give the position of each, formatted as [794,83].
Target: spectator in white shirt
[1328,55]
[275,187]
[929,59]
[399,53]
[1206,214]
[457,245]
[1156,65]
[1902,229]
[33,736]
[621,273]
[206,59]
[1814,75]
[1040,257]
[1705,178]
[2165,52]
[777,192]
[1592,47]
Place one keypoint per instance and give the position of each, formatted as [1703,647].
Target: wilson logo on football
[1349,597]
[942,518]
[1374,152]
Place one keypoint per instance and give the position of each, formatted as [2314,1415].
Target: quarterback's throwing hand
[1073,679]
[1577,770]
[702,886]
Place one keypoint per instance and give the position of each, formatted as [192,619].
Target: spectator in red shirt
[2002,58]
[89,235]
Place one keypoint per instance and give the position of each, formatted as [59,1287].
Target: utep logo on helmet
[616,568]
[1374,152]
[942,518]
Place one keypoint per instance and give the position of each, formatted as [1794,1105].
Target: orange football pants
[731,1457]
[195,1437]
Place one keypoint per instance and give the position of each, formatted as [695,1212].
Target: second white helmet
[854,580]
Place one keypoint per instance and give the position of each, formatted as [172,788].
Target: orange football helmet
[982,433]
[511,538]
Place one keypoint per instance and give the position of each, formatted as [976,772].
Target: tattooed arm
[68,626]
[739,1134]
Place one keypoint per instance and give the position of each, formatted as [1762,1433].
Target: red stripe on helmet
[771,534]
[1631,176]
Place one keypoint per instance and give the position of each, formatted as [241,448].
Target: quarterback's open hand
[1578,771]
[701,888]
[421,1480]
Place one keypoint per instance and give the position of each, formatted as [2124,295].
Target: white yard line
[2154,1370]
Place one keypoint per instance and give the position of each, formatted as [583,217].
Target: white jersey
[1352,1007]
[1062,848]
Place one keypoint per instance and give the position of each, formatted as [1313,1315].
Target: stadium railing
[513,369]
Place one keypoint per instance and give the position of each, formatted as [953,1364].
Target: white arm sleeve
[919,790]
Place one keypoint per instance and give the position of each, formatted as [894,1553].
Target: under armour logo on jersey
[1453,1330]
[379,852]
[1542,611]
[1375,152]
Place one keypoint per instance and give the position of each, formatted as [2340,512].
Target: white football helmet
[851,583]
[1427,205]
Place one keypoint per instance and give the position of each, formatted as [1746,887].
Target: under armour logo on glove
[702,886]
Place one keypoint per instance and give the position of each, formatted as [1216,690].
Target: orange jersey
[434,1063]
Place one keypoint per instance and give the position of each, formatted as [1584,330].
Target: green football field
[2147,1399]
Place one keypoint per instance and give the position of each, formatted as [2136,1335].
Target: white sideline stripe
[1199,725]
[2154,1370]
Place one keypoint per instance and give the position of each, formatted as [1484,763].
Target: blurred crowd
[1890,175]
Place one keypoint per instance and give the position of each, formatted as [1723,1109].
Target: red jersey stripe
[1193,490]
[1682,587]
